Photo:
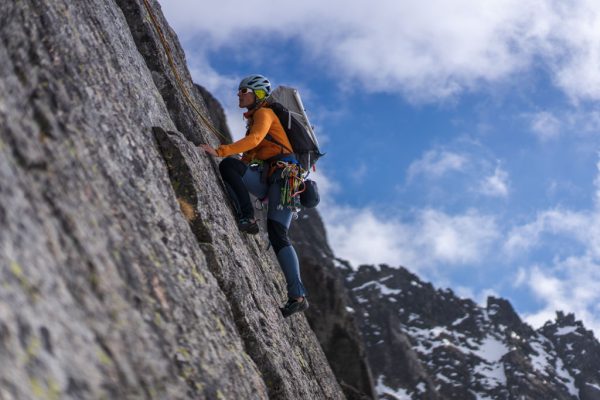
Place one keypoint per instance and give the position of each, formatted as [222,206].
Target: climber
[256,173]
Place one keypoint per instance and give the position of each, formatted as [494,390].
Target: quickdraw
[292,185]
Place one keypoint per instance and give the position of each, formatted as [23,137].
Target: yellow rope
[186,94]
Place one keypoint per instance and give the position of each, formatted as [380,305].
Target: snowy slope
[426,343]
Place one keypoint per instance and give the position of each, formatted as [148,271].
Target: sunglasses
[245,90]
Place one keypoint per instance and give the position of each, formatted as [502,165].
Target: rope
[186,94]
[292,186]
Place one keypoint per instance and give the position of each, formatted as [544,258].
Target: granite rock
[123,273]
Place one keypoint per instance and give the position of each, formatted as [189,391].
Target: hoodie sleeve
[260,127]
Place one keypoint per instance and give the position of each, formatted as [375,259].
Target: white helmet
[256,82]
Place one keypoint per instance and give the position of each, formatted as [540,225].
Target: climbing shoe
[294,306]
[248,225]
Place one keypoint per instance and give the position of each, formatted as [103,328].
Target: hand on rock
[207,148]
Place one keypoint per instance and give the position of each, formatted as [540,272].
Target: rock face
[123,273]
[424,343]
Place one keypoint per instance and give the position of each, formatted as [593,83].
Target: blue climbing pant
[241,180]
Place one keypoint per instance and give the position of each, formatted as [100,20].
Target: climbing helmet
[257,83]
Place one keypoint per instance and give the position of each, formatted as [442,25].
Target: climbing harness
[184,90]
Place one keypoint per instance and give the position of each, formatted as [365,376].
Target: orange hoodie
[263,121]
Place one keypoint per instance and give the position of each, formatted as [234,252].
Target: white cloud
[545,125]
[431,238]
[455,239]
[520,278]
[359,236]
[436,163]
[573,225]
[425,50]
[478,172]
[495,185]
[578,122]
[571,286]
[567,283]
[480,297]
[577,49]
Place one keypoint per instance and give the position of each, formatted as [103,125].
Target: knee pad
[278,235]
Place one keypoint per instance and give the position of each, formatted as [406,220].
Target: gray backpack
[287,105]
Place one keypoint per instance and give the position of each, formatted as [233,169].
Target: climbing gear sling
[292,185]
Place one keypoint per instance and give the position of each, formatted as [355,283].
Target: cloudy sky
[462,138]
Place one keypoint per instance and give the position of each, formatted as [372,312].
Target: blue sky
[462,137]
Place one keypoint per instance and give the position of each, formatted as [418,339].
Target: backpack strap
[273,140]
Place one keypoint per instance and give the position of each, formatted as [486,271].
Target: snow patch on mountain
[384,290]
[397,394]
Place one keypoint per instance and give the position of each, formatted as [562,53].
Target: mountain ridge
[453,348]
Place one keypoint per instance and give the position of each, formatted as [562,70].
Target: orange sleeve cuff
[221,152]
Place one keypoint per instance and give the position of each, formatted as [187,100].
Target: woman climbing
[266,152]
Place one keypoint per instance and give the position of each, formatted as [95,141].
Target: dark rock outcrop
[329,315]
[580,351]
[123,273]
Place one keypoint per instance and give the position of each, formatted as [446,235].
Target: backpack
[287,105]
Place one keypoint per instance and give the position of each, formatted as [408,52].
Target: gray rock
[121,276]
[330,316]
